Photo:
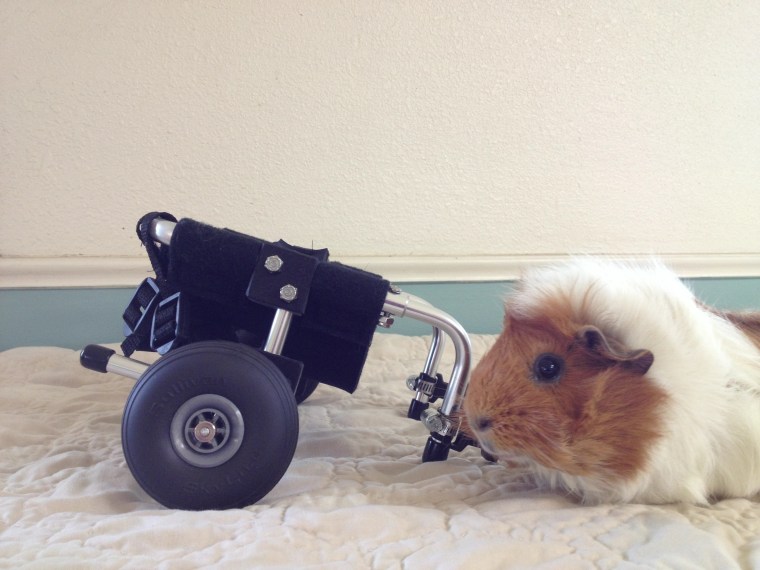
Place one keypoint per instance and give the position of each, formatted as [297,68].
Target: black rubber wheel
[211,425]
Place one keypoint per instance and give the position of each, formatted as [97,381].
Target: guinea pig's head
[565,395]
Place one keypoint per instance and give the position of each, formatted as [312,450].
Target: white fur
[707,366]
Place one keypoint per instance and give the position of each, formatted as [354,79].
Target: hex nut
[273,263]
[288,293]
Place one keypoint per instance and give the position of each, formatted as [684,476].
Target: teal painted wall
[72,318]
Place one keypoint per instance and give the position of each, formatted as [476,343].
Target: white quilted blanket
[355,496]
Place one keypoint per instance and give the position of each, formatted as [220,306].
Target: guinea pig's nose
[483,423]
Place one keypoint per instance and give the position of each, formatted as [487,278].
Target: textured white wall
[383,128]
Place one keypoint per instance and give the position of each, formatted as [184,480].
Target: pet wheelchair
[246,329]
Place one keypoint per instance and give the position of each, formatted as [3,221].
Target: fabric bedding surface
[355,496]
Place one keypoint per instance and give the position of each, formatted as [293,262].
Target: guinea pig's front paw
[509,459]
[486,446]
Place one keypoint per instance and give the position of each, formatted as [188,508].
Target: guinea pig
[612,382]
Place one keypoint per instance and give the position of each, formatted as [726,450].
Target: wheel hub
[207,430]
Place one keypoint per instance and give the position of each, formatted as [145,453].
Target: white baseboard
[111,272]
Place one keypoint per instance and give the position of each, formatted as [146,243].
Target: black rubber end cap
[436,449]
[95,357]
[415,410]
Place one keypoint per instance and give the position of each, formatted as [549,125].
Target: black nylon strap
[131,343]
[159,259]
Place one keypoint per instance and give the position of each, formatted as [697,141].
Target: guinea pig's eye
[548,368]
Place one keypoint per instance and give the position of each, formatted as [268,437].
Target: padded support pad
[211,263]
[332,336]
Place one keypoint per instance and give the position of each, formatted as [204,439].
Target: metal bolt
[288,293]
[386,320]
[433,420]
[273,263]
[205,432]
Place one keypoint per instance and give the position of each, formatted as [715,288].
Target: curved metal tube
[405,305]
[161,230]
[435,353]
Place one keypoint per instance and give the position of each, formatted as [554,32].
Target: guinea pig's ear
[597,342]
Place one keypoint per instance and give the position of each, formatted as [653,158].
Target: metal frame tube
[278,332]
[126,366]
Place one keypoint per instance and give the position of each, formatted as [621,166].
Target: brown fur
[599,419]
[748,323]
